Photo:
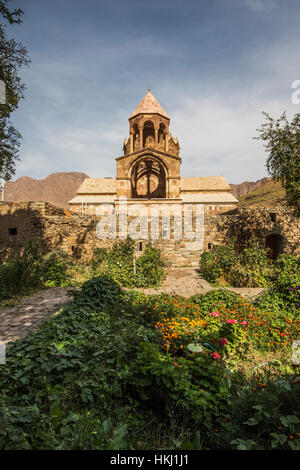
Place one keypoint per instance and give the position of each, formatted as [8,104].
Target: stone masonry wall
[76,234]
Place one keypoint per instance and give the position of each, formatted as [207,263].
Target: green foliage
[113,370]
[212,299]
[266,416]
[149,268]
[282,139]
[99,293]
[194,387]
[12,57]
[219,260]
[284,294]
[30,269]
[118,264]
[239,265]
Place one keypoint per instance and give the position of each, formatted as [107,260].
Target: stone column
[166,142]
[156,138]
[131,142]
[141,137]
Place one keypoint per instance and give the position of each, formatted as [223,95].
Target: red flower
[223,341]
[215,355]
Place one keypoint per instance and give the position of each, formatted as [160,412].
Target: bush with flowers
[265,327]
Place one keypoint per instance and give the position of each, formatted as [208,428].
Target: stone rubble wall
[56,228]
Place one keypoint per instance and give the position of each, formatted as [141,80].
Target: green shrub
[246,266]
[118,264]
[31,269]
[149,268]
[193,390]
[212,299]
[54,268]
[99,293]
[218,261]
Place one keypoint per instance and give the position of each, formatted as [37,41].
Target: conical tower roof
[149,105]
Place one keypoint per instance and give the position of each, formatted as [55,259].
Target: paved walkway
[17,321]
[187,282]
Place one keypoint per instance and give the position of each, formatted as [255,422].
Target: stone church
[149,170]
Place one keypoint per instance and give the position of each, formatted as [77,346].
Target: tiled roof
[205,183]
[212,197]
[149,105]
[97,186]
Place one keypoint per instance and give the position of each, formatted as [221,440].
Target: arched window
[148,179]
[148,134]
[275,244]
[161,136]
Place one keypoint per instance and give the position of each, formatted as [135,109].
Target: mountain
[247,186]
[57,188]
[269,194]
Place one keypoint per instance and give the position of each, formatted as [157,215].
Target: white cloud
[261,5]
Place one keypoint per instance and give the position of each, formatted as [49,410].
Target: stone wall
[76,234]
[261,222]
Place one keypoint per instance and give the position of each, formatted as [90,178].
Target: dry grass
[269,195]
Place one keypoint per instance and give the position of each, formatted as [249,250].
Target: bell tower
[150,166]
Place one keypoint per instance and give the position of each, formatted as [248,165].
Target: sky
[214,66]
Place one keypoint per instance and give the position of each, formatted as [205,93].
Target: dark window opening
[73,248]
[209,246]
[13,231]
[273,217]
[275,244]
[140,246]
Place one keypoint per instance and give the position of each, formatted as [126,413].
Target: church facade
[149,171]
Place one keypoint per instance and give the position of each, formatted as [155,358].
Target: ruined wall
[261,222]
[76,234]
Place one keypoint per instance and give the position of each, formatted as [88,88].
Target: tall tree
[13,56]
[282,142]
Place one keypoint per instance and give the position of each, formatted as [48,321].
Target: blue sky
[213,65]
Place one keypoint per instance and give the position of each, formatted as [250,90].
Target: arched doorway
[274,242]
[148,179]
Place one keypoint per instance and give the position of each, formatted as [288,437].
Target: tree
[283,146]
[12,57]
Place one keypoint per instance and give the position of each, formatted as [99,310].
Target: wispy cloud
[261,5]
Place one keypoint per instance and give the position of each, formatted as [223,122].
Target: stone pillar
[141,137]
[156,138]
[131,142]
[166,142]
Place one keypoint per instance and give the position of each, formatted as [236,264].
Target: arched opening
[161,136]
[148,179]
[275,244]
[148,134]
[136,136]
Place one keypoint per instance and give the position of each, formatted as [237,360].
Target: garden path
[17,321]
[187,282]
[26,316]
